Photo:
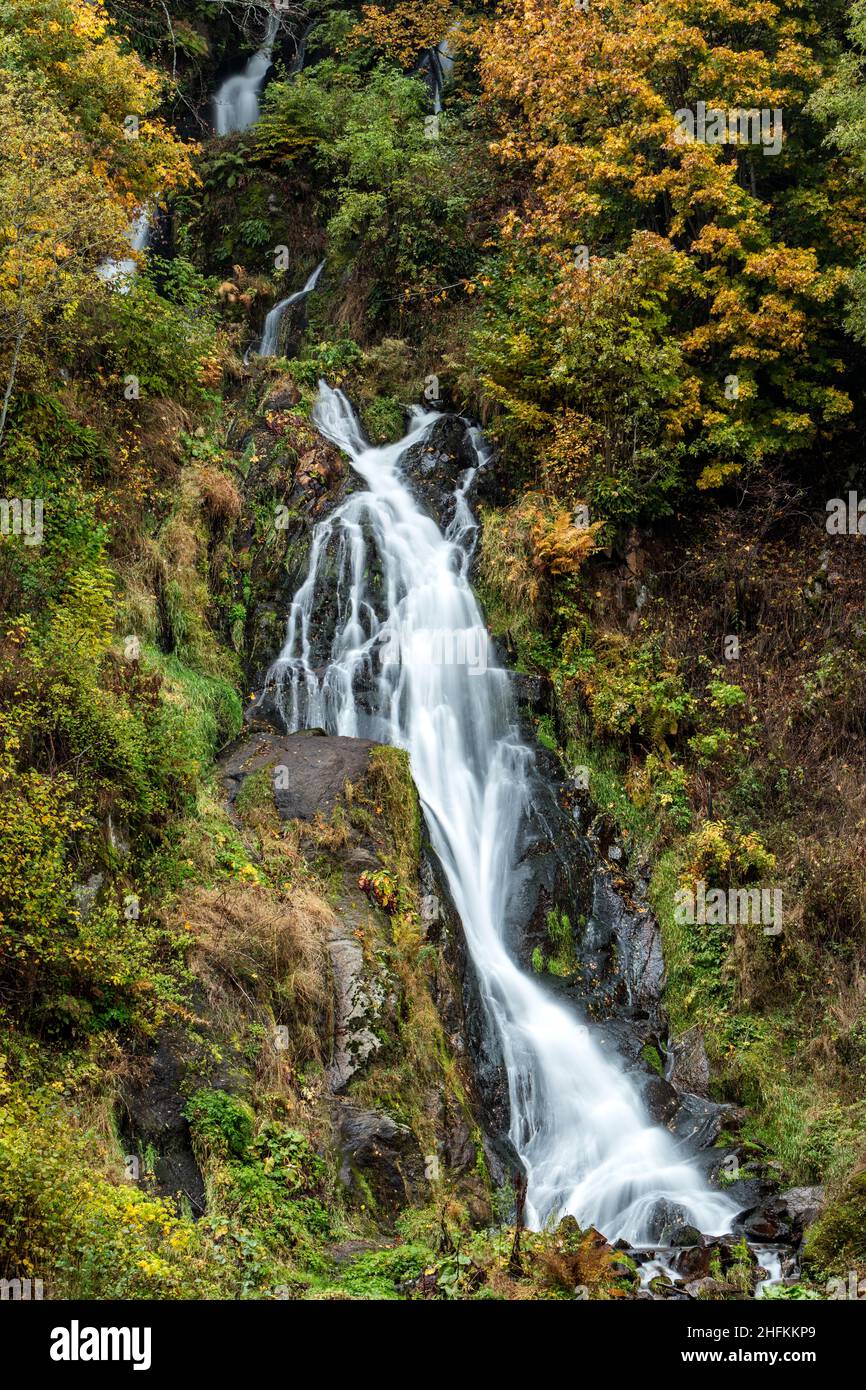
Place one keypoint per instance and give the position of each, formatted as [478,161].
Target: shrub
[221,1125]
[635,693]
[63,1220]
[719,855]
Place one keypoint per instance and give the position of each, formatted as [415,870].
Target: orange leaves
[559,546]
[406,29]
[549,538]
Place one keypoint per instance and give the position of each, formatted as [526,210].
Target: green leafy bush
[221,1125]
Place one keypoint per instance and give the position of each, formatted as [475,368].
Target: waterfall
[271,332]
[401,594]
[119,273]
[441,68]
[236,103]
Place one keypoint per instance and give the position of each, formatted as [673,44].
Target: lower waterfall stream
[402,599]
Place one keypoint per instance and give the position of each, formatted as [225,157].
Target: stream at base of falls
[398,592]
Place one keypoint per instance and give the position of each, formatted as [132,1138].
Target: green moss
[384,420]
[392,791]
[837,1240]
[545,733]
[652,1056]
[563,958]
[606,768]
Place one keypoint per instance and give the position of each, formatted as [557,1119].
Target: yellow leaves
[717,474]
[789,268]
[406,29]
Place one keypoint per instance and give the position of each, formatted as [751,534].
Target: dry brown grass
[162,424]
[266,959]
[330,836]
[220,497]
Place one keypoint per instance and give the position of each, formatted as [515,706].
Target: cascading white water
[441,61]
[576,1120]
[271,331]
[236,103]
[120,273]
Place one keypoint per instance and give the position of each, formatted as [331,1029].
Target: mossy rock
[838,1237]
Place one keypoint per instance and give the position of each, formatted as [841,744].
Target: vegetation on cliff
[664,341]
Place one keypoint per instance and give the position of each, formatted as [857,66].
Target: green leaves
[394,203]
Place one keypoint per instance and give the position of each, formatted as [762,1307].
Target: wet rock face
[296,478]
[691,1069]
[154,1122]
[436,466]
[533,694]
[659,1098]
[381,1155]
[470,1034]
[553,865]
[309,770]
[614,974]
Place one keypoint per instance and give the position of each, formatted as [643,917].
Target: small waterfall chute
[273,322]
[120,273]
[236,102]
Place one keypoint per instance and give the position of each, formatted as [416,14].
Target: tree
[762,238]
[56,218]
[78,155]
[840,103]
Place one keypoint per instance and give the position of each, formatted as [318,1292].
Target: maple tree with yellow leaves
[80,152]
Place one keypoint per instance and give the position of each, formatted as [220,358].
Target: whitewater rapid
[413,638]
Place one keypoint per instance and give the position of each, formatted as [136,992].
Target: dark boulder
[698,1123]
[380,1158]
[783,1215]
[690,1070]
[314,769]
[660,1286]
[682,1235]
[436,465]
[285,396]
[715,1289]
[532,693]
[659,1097]
[709,1257]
